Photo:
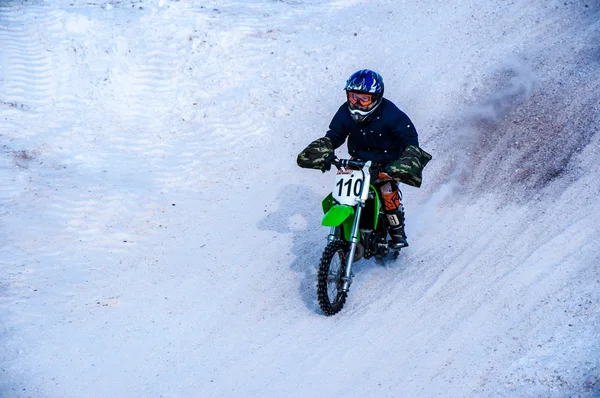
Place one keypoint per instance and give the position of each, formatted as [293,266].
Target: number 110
[349,183]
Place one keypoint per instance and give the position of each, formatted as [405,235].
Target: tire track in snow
[26,63]
[26,87]
[40,104]
[25,68]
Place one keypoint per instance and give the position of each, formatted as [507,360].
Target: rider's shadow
[301,216]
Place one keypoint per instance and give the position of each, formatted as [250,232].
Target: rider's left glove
[409,167]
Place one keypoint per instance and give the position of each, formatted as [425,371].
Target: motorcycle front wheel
[329,282]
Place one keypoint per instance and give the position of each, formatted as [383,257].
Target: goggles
[360,99]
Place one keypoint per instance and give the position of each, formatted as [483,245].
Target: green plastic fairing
[328,203]
[377,204]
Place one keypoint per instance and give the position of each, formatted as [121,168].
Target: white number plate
[348,185]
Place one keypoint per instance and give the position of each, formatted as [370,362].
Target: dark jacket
[381,138]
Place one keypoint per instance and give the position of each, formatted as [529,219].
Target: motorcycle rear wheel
[329,280]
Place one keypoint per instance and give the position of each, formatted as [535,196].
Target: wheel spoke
[334,282]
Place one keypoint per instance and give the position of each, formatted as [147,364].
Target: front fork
[347,278]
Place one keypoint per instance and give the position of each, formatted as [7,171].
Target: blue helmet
[367,82]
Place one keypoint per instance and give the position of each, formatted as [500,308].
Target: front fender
[342,216]
[337,215]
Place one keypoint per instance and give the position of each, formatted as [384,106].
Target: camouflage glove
[317,155]
[409,168]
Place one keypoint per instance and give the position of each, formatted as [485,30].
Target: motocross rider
[377,131]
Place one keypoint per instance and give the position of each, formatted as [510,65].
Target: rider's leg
[391,198]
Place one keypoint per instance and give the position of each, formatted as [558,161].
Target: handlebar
[348,163]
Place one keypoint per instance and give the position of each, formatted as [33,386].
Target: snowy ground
[158,240]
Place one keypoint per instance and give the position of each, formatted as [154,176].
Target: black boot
[396,229]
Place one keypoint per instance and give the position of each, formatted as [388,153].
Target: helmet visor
[362,101]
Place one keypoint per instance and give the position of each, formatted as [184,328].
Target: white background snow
[158,240]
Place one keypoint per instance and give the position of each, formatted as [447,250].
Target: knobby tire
[331,270]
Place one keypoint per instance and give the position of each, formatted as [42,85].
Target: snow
[158,240]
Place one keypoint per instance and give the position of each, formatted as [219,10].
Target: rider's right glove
[409,167]
[327,162]
[317,155]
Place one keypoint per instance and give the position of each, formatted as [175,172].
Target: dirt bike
[358,229]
